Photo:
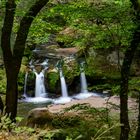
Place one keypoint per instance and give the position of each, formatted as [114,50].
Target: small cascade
[84,88]
[64,98]
[25,85]
[83,80]
[39,85]
[40,91]
[83,83]
[63,85]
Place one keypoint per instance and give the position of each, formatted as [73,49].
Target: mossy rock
[52,81]
[42,117]
[39,117]
[65,120]
[31,84]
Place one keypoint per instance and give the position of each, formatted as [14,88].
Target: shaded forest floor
[96,116]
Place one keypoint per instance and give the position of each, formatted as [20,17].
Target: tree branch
[7,30]
[24,29]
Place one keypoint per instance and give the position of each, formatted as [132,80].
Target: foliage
[65,122]
[78,107]
[52,79]
[21,78]
[92,24]
[101,132]
[103,24]
[2,81]
[134,88]
[70,70]
[101,67]
[7,125]
[96,126]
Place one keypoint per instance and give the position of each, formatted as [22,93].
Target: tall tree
[125,71]
[13,58]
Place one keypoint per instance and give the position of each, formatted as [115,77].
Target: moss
[100,67]
[63,121]
[70,71]
[52,80]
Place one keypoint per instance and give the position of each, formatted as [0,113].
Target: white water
[85,95]
[39,85]
[38,100]
[25,85]
[64,98]
[83,83]
[40,92]
[63,85]
[84,89]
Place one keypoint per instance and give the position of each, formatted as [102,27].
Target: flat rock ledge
[56,114]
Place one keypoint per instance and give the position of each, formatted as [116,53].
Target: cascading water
[84,88]
[40,92]
[39,85]
[83,80]
[25,85]
[83,83]
[63,85]
[64,98]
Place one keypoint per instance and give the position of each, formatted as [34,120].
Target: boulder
[39,116]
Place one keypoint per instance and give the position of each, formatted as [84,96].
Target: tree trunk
[12,59]
[11,93]
[22,33]
[125,70]
[7,56]
[138,129]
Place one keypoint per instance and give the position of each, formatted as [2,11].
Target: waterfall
[39,84]
[64,98]
[84,89]
[40,92]
[25,84]
[63,85]
[83,83]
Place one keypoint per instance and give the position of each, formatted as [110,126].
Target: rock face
[103,66]
[54,52]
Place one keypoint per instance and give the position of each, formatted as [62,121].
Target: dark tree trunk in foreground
[12,59]
[124,93]
[136,5]
[138,129]
[125,70]
[11,91]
